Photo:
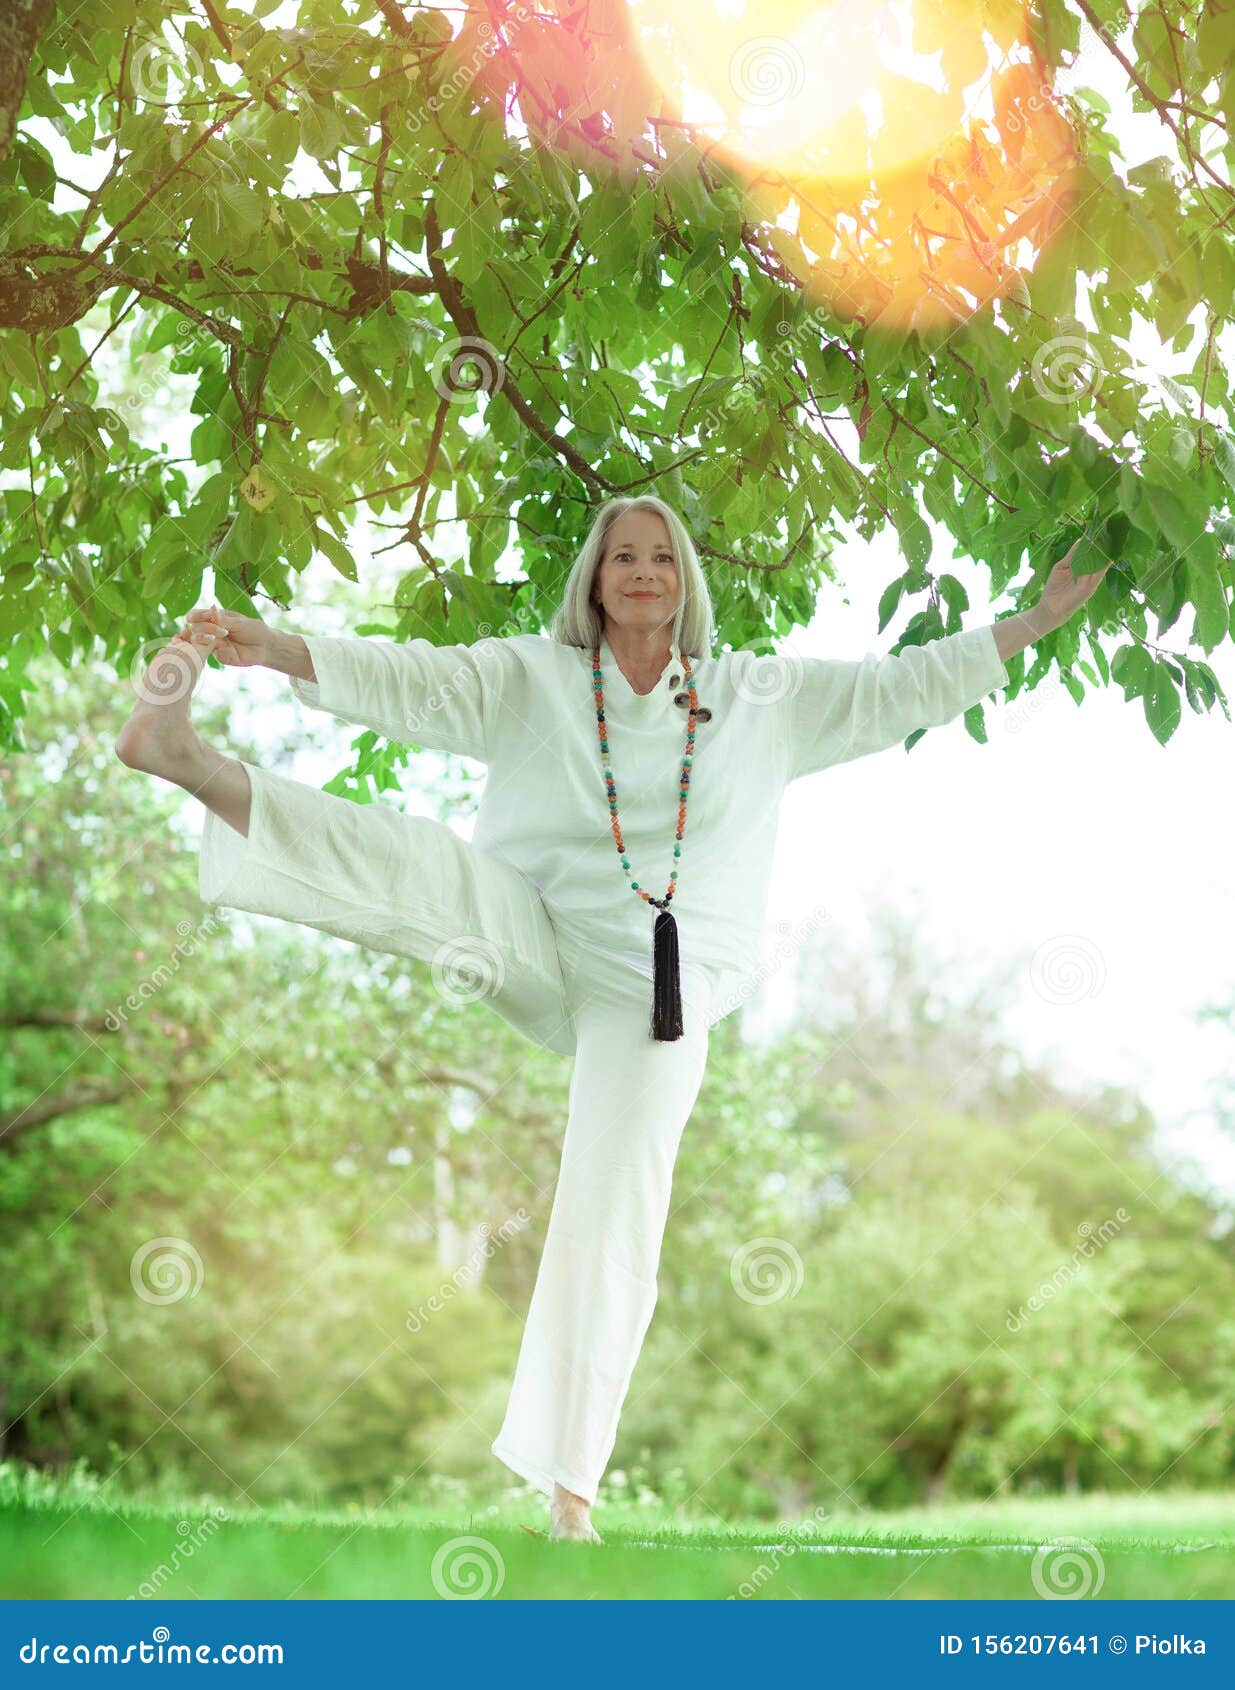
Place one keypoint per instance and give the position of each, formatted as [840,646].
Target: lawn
[1174,1545]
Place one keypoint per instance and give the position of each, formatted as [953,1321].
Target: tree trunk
[457,1246]
[20,28]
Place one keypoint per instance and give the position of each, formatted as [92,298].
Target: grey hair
[577,621]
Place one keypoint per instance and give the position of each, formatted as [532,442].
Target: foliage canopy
[461,270]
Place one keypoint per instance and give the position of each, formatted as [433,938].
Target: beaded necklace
[666,1021]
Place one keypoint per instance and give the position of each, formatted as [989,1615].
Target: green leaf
[1090,551]
[890,599]
[647,298]
[1099,657]
[975,723]
[111,598]
[1215,39]
[1224,455]
[336,551]
[1207,682]
[1132,668]
[1218,271]
[320,129]
[1208,595]
[955,597]
[1162,705]
[1173,520]
[453,191]
[1082,448]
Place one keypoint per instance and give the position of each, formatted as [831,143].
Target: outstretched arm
[838,710]
[1061,598]
[289,654]
[412,691]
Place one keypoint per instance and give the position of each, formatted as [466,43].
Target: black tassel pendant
[666,980]
[666,972]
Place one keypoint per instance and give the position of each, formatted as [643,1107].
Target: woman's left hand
[1065,593]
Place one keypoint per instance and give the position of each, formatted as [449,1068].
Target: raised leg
[159,737]
[404,884]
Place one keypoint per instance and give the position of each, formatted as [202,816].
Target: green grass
[1177,1545]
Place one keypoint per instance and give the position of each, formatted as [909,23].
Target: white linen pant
[409,885]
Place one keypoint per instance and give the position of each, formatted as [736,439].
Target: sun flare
[908,158]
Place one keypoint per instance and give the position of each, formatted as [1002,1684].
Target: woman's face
[637,583]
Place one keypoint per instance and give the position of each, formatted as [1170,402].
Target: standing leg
[630,1097]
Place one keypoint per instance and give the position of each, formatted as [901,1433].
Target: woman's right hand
[238,641]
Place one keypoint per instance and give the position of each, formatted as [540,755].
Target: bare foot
[159,738]
[569,1518]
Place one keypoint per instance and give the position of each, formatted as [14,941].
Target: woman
[623,757]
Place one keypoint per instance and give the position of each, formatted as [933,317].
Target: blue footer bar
[625,1643]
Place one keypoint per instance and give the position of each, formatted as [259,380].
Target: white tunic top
[523,705]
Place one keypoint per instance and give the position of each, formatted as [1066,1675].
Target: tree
[271,1124]
[470,272]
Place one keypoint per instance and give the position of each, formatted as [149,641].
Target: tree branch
[57,1018]
[464,319]
[90,1094]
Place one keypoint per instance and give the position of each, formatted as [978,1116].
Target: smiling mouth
[643,595]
